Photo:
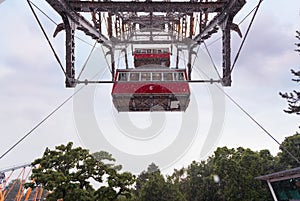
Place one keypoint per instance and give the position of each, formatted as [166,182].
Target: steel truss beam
[86,82]
[178,16]
[134,6]
[72,21]
[223,19]
[15,167]
[64,9]
[231,10]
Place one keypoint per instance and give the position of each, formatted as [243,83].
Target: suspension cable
[47,16]
[119,58]
[195,56]
[47,117]
[258,124]
[42,121]
[212,61]
[43,13]
[88,58]
[253,119]
[59,106]
[214,41]
[108,65]
[49,42]
[244,39]
[93,46]
[206,46]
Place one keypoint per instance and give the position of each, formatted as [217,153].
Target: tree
[157,189]
[298,44]
[237,169]
[144,176]
[229,175]
[67,172]
[152,186]
[180,181]
[199,184]
[293,98]
[292,144]
[118,186]
[152,168]
[106,158]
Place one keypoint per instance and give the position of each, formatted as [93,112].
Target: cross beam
[134,6]
[224,20]
[178,16]
[230,10]
[72,21]
[64,9]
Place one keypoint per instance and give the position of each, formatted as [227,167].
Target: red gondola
[156,56]
[151,89]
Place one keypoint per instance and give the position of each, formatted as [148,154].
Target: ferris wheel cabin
[143,56]
[151,89]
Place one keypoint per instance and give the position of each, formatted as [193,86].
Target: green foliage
[152,168]
[157,189]
[297,44]
[293,98]
[179,180]
[144,176]
[152,186]
[237,170]
[107,158]
[292,144]
[67,172]
[118,186]
[229,175]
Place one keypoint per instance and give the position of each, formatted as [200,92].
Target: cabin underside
[150,102]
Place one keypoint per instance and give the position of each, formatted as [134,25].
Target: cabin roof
[152,69]
[281,175]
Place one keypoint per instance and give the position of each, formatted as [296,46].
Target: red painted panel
[149,56]
[151,88]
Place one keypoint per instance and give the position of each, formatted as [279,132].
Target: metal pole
[272,190]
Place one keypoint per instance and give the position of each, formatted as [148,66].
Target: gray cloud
[32,84]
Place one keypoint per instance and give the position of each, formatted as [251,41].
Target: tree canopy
[229,174]
[151,185]
[68,174]
[292,143]
[293,98]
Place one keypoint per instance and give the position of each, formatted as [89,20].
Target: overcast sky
[32,85]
